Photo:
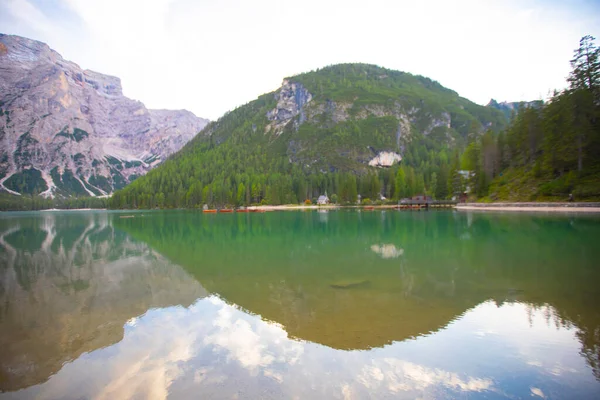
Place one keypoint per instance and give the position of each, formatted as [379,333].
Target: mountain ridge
[511,108]
[296,142]
[68,131]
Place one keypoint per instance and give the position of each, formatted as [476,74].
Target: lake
[340,304]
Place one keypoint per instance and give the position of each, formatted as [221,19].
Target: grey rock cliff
[291,99]
[509,109]
[295,105]
[68,131]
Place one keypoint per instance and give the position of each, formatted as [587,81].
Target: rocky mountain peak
[69,131]
[509,108]
[110,85]
[291,99]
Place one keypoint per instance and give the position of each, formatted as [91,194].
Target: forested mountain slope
[341,129]
[549,152]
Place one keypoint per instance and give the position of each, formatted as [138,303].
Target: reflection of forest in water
[348,280]
[68,283]
[360,280]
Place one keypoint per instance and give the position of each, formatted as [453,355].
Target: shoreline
[73,209]
[535,207]
[291,207]
[321,207]
[510,207]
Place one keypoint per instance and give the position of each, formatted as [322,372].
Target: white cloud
[537,392]
[401,375]
[24,18]
[207,376]
[240,340]
[252,345]
[217,349]
[143,364]
[27,14]
[210,57]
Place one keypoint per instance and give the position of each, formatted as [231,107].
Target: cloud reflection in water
[387,250]
[217,350]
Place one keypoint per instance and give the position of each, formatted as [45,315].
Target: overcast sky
[212,56]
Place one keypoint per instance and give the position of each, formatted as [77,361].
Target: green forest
[9,202]
[548,151]
[233,162]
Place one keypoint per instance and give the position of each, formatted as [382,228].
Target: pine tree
[433,185]
[241,194]
[419,184]
[375,189]
[352,191]
[400,192]
[586,66]
[442,182]
[584,82]
[410,183]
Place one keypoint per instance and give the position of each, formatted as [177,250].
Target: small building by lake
[418,199]
[421,197]
[323,200]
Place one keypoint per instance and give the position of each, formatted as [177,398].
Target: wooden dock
[408,204]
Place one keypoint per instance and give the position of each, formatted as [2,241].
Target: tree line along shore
[549,152]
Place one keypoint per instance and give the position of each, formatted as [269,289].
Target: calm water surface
[339,304]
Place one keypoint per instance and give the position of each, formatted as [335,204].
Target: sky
[212,56]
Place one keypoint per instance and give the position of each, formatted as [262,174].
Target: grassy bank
[528,184]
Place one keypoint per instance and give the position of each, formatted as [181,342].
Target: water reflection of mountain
[68,284]
[325,283]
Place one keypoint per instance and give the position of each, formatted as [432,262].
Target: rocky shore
[531,206]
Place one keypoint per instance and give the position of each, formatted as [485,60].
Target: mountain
[325,130]
[509,109]
[68,131]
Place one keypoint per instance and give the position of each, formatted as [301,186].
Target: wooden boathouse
[426,202]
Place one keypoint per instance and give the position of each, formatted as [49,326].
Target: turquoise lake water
[299,304]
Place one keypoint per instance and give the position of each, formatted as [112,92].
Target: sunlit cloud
[26,13]
[241,341]
[211,343]
[250,344]
[537,392]
[210,57]
[406,376]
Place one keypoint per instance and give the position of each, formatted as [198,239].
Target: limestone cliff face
[65,130]
[297,106]
[385,159]
[291,99]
